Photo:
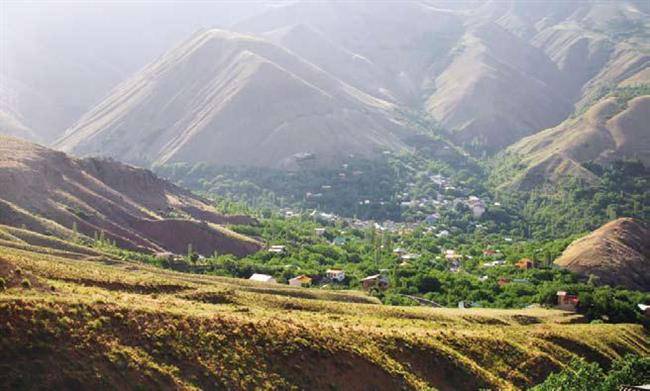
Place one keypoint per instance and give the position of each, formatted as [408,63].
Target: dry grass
[97,322]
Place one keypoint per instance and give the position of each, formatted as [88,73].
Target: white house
[263,278]
[277,249]
[335,274]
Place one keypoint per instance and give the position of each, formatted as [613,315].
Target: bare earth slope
[618,253]
[609,130]
[228,98]
[48,192]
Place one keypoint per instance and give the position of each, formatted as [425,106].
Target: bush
[3,284]
[580,375]
[26,284]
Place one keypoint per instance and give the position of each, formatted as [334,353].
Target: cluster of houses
[376,281]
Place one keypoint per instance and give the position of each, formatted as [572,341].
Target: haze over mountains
[341,78]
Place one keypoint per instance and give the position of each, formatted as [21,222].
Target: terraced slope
[81,321]
[47,192]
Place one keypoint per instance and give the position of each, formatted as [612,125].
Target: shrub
[3,284]
[580,375]
[26,284]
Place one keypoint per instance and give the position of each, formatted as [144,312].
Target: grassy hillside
[80,320]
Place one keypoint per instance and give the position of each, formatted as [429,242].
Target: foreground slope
[74,321]
[618,253]
[228,98]
[47,192]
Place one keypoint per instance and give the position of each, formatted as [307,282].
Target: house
[263,278]
[409,257]
[451,255]
[442,234]
[483,278]
[319,231]
[378,281]
[521,280]
[335,274]
[498,262]
[566,301]
[399,251]
[476,205]
[489,252]
[645,309]
[277,249]
[432,218]
[339,241]
[525,264]
[301,280]
[503,281]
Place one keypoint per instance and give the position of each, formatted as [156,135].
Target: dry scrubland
[78,318]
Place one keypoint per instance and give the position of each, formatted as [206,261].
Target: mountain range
[354,78]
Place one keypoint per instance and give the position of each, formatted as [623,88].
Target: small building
[399,251]
[503,281]
[645,309]
[319,231]
[301,280]
[566,301]
[335,274]
[278,249]
[263,278]
[498,262]
[378,281]
[409,257]
[525,264]
[443,234]
[489,252]
[339,241]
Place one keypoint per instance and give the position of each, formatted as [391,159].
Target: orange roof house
[300,280]
[525,264]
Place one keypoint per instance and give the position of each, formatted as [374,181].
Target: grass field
[77,318]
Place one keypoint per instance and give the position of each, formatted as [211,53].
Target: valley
[354,195]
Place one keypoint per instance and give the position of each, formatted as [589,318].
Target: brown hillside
[608,131]
[618,253]
[48,192]
[230,98]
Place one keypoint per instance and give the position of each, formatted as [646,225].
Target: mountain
[618,254]
[614,128]
[62,59]
[486,74]
[489,73]
[228,98]
[47,192]
[497,89]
